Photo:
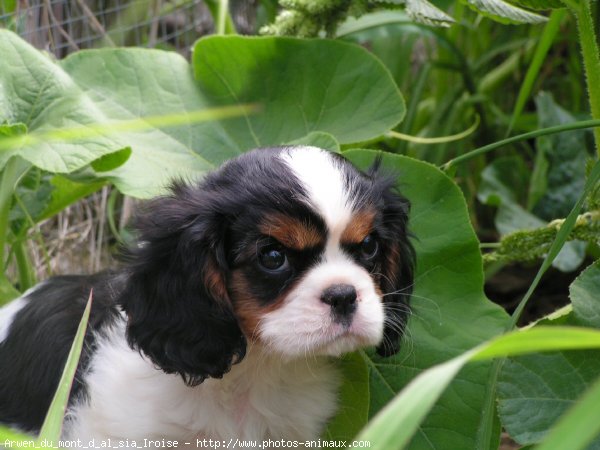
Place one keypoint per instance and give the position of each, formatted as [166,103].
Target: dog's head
[290,248]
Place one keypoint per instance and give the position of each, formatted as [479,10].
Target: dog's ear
[398,268]
[178,310]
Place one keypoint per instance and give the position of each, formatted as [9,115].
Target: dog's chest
[260,398]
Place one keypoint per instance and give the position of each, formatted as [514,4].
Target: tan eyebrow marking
[359,227]
[292,232]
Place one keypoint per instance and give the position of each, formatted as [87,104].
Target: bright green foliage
[450,312]
[139,117]
[393,427]
[134,84]
[535,390]
[354,396]
[37,95]
[303,87]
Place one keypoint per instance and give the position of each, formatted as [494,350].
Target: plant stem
[522,137]
[221,19]
[26,276]
[591,57]
[13,170]
[219,10]
[529,245]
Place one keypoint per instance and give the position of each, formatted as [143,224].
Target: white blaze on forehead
[323,180]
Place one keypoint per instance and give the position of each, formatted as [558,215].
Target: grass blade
[8,435]
[395,425]
[52,427]
[550,31]
[521,137]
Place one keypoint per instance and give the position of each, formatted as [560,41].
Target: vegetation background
[487,108]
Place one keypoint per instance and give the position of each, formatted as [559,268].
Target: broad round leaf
[100,101]
[303,86]
[450,311]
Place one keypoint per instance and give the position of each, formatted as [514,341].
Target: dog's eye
[272,258]
[369,247]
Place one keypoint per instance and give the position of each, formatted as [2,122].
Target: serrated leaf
[421,11]
[504,12]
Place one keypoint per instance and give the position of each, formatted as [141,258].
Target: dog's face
[290,248]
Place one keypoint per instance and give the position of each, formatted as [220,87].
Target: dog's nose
[341,298]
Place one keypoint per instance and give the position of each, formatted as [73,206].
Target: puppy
[223,321]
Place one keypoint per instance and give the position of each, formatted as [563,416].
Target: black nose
[342,298]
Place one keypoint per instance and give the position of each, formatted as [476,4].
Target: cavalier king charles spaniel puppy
[226,314]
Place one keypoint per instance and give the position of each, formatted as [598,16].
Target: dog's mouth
[345,337]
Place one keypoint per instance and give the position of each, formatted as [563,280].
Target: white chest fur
[260,398]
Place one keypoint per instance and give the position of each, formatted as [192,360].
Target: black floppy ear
[178,310]
[398,266]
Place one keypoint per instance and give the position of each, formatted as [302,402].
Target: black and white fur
[225,316]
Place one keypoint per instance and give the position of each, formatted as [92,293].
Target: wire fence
[64,26]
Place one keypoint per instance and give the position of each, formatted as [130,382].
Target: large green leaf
[535,390]
[393,427]
[353,410]
[450,311]
[100,101]
[303,86]
[37,95]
